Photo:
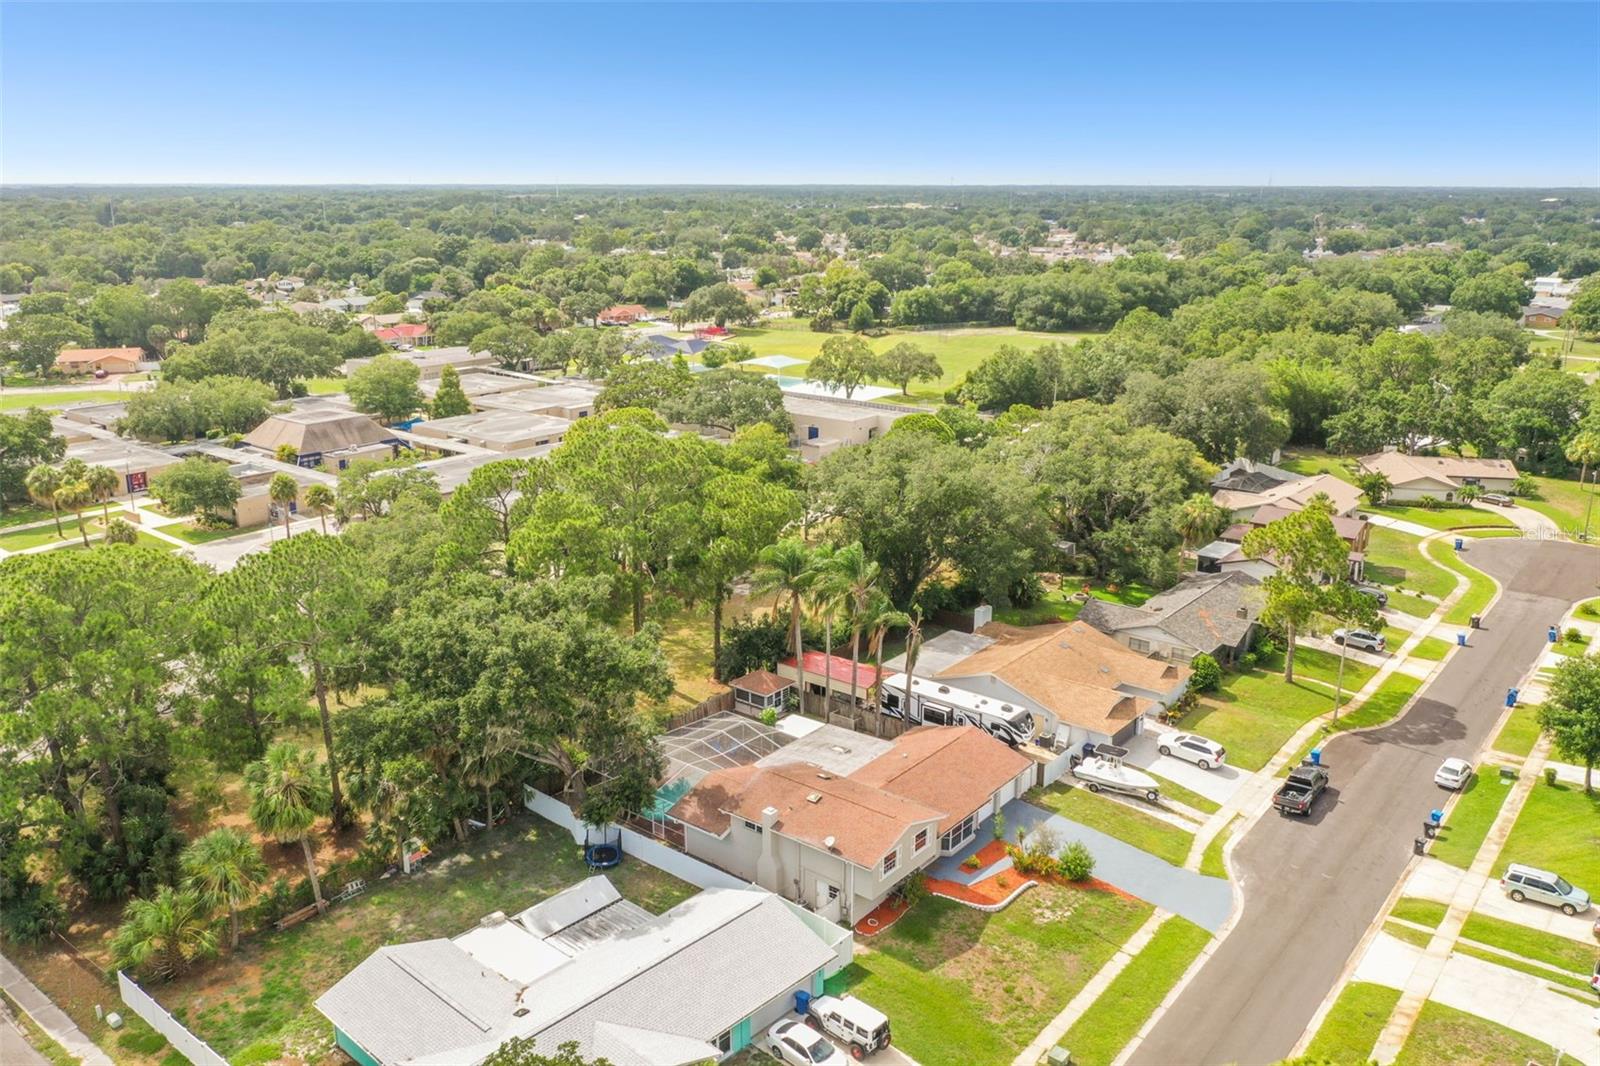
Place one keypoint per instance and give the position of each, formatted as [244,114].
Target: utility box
[1059,1056]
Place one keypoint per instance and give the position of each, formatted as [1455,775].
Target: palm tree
[42,482]
[1468,493]
[785,570]
[288,792]
[321,499]
[75,495]
[167,933]
[283,491]
[913,644]
[857,578]
[226,869]
[491,758]
[823,596]
[1584,449]
[104,483]
[1199,520]
[881,616]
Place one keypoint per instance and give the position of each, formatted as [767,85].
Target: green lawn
[1211,863]
[1530,943]
[958,350]
[19,539]
[1576,984]
[326,386]
[1468,821]
[1577,649]
[1395,561]
[1521,731]
[1480,586]
[1120,1011]
[1563,501]
[1432,649]
[967,987]
[1171,790]
[1254,714]
[1442,517]
[1426,912]
[263,993]
[192,533]
[1353,1024]
[1417,938]
[1383,705]
[1308,463]
[1056,605]
[1558,829]
[21,401]
[1323,666]
[1444,1036]
[1553,346]
[1161,839]
[22,514]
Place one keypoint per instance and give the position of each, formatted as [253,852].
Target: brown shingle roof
[955,769]
[74,356]
[761,682]
[1402,469]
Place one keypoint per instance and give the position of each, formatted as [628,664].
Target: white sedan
[797,1044]
[1453,774]
[1196,749]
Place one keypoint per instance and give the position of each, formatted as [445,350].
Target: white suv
[1198,750]
[1525,882]
[1359,638]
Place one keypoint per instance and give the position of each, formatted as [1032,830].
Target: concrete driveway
[1494,902]
[1218,784]
[1312,886]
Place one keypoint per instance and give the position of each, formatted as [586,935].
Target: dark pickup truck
[1298,793]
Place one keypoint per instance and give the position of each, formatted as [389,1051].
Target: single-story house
[350,303]
[695,984]
[1289,495]
[371,323]
[1353,531]
[841,842]
[819,667]
[661,346]
[1412,477]
[89,360]
[416,334]
[419,301]
[1247,475]
[325,436]
[622,315]
[1210,614]
[1544,314]
[1056,686]
[823,425]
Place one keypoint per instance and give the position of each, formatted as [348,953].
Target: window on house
[752,826]
[725,1041]
[922,840]
[1135,644]
[890,861]
[812,433]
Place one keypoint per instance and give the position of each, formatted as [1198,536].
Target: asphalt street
[1311,887]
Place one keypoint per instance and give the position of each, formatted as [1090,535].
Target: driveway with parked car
[1318,883]
[1217,784]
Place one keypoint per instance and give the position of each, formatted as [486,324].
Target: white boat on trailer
[1102,769]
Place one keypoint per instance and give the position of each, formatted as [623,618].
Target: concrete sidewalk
[49,1017]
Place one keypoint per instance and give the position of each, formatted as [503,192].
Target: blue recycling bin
[1461,639]
[1511,697]
[1316,756]
[802,1001]
[1554,634]
[1436,816]
[1460,543]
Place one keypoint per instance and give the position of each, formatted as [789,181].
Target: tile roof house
[587,966]
[840,843]
[623,315]
[1062,685]
[416,334]
[1211,614]
[1412,477]
[87,360]
[1289,495]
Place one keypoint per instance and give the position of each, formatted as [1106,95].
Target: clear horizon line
[557,185]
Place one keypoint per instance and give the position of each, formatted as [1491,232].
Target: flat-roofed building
[822,426]
[500,431]
[571,400]
[430,362]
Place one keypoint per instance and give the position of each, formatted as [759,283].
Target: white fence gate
[189,1046]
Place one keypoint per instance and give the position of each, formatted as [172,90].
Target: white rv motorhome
[935,703]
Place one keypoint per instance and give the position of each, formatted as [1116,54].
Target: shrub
[142,1041]
[915,888]
[1207,674]
[1247,661]
[256,1054]
[971,862]
[1574,635]
[822,322]
[1429,503]
[1549,775]
[1077,863]
[769,716]
[1524,485]
[999,826]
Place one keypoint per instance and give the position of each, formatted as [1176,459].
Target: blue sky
[1292,94]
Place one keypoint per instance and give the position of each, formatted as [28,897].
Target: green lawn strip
[1415,937]
[1415,606]
[1577,649]
[326,386]
[1383,705]
[1444,1036]
[21,401]
[1521,731]
[1056,605]
[1426,912]
[1211,864]
[195,535]
[38,1039]
[1469,820]
[1574,982]
[1558,829]
[264,991]
[1442,517]
[21,516]
[1253,714]
[1484,534]
[1395,560]
[1530,943]
[1353,1023]
[1115,1017]
[1308,463]
[18,539]
[1170,789]
[1161,839]
[1589,609]
[964,986]
[1564,502]
[1431,649]
[1480,587]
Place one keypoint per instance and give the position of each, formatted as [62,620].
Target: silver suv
[1359,638]
[1526,882]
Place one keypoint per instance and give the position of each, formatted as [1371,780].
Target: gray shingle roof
[1201,611]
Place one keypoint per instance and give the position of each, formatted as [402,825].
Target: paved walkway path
[1399,525]
[1053,1032]
[49,1017]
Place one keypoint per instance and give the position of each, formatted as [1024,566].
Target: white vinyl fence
[189,1046]
[684,867]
